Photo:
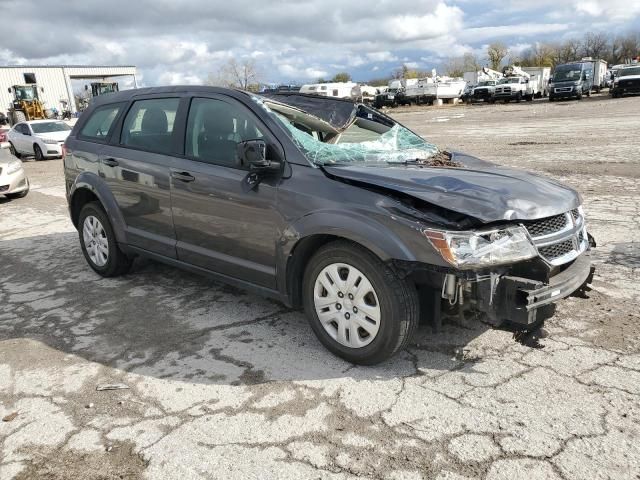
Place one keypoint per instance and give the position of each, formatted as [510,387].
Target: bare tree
[540,55]
[595,45]
[454,66]
[471,63]
[242,74]
[496,53]
[628,47]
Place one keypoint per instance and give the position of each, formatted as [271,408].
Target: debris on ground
[11,417]
[112,386]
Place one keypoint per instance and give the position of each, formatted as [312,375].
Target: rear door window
[149,125]
[99,125]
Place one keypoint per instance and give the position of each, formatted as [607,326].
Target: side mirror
[253,153]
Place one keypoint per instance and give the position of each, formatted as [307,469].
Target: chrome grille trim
[561,238]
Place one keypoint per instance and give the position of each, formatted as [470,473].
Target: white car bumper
[12,182]
[52,149]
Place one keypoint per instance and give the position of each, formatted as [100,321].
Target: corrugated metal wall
[55,80]
[52,79]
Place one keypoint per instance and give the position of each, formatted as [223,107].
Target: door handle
[183,176]
[110,162]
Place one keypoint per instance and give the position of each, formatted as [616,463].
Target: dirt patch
[120,463]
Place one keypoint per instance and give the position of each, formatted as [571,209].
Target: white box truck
[599,72]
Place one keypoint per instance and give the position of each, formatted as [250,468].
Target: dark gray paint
[248,236]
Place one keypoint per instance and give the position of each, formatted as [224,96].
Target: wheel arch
[307,236]
[88,187]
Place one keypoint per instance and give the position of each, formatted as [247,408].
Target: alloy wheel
[95,241]
[347,305]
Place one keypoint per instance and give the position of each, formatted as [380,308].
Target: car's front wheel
[99,244]
[357,306]
[37,152]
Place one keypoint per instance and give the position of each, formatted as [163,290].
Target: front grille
[0,170]
[575,213]
[563,89]
[4,188]
[634,83]
[560,238]
[556,250]
[547,226]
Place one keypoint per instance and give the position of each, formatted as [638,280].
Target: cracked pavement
[224,384]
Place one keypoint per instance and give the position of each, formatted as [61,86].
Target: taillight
[64,150]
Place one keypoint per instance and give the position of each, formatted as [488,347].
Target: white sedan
[40,138]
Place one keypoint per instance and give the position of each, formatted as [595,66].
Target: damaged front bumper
[524,301]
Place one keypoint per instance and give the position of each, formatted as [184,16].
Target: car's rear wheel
[13,151]
[37,152]
[357,306]
[99,244]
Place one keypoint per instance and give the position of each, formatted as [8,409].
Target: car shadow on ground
[162,322]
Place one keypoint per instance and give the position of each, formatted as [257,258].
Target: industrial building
[56,82]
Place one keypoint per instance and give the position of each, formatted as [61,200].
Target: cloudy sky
[178,42]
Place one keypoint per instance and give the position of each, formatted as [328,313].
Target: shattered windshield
[361,140]
[397,145]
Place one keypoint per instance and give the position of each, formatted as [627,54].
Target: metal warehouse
[55,82]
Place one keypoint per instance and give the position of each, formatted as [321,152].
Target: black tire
[529,98]
[117,262]
[519,97]
[13,151]
[579,96]
[397,298]
[588,93]
[19,116]
[37,152]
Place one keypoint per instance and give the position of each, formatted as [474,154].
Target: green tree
[341,77]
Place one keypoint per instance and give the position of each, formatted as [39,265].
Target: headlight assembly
[50,141]
[482,248]
[14,166]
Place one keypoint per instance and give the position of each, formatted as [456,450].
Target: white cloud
[185,42]
[384,56]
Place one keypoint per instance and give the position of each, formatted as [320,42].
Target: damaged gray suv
[323,204]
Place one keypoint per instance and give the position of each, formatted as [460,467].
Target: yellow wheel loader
[26,104]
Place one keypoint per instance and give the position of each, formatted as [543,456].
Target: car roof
[127,95]
[31,122]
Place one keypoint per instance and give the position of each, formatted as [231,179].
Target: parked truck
[516,85]
[599,73]
[538,80]
[396,93]
[484,89]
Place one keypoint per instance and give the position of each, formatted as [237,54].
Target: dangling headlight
[482,248]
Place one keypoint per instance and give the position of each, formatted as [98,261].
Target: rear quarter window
[101,122]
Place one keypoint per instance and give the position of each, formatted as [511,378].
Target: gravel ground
[224,384]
